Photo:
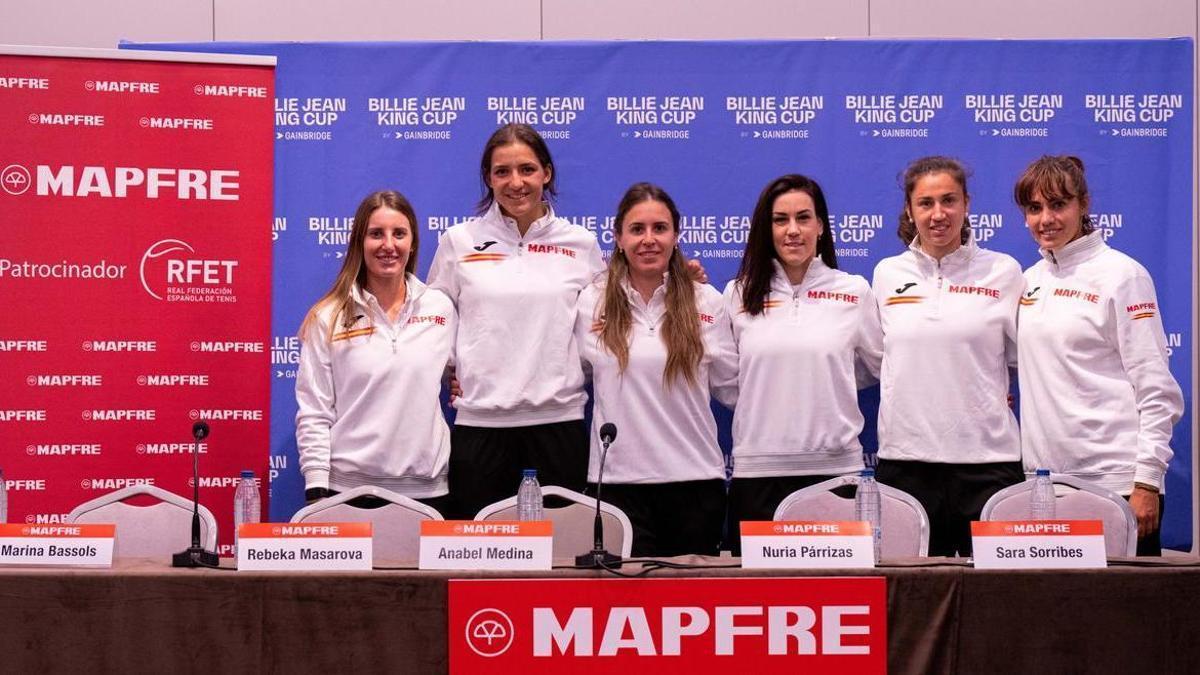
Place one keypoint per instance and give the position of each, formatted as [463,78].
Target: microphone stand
[195,555]
[598,557]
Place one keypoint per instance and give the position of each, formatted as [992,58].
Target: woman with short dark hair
[1098,400]
[948,308]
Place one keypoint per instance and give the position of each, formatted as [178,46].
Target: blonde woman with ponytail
[373,352]
[657,344]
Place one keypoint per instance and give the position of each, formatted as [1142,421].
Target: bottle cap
[247,473]
[529,473]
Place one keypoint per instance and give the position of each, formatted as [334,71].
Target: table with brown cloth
[143,616]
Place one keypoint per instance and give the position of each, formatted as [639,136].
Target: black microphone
[598,557]
[195,555]
[608,433]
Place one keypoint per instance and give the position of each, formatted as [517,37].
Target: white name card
[300,547]
[806,544]
[81,545]
[1038,544]
[486,545]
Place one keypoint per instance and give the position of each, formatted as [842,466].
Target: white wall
[101,23]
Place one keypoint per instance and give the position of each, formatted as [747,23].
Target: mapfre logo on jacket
[833,296]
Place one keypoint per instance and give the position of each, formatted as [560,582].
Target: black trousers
[671,518]
[486,463]
[953,495]
[757,499]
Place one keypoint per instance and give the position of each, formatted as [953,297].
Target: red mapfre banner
[135,269]
[705,625]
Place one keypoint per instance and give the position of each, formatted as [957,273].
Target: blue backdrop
[713,122]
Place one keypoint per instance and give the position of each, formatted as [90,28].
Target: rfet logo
[15,179]
[489,632]
[172,270]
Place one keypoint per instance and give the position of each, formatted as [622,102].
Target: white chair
[1074,500]
[573,523]
[156,531]
[904,521]
[395,526]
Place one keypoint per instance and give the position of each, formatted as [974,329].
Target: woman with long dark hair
[807,336]
[374,350]
[657,344]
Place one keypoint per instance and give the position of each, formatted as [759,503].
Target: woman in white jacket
[374,350]
[807,336]
[1097,397]
[657,344]
[514,275]
[948,309]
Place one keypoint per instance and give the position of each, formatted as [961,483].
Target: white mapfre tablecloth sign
[300,547]
[1037,544]
[806,544]
[486,545]
[81,545]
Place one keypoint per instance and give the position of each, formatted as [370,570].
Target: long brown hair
[1056,177]
[681,326]
[353,270]
[907,230]
[757,266]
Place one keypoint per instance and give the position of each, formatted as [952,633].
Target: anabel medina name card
[486,545]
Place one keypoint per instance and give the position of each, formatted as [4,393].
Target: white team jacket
[1097,398]
[797,408]
[369,411]
[949,339]
[664,434]
[516,358]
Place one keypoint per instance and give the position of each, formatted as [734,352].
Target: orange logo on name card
[90,530]
[1037,528]
[488,528]
[304,530]
[806,528]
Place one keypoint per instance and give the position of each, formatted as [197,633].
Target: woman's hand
[1144,503]
[455,387]
[696,270]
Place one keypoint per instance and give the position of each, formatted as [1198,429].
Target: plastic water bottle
[3,498]
[529,497]
[247,507]
[1041,497]
[867,507]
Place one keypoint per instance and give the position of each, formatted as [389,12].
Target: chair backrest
[395,526]
[573,523]
[155,531]
[1074,500]
[904,522]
